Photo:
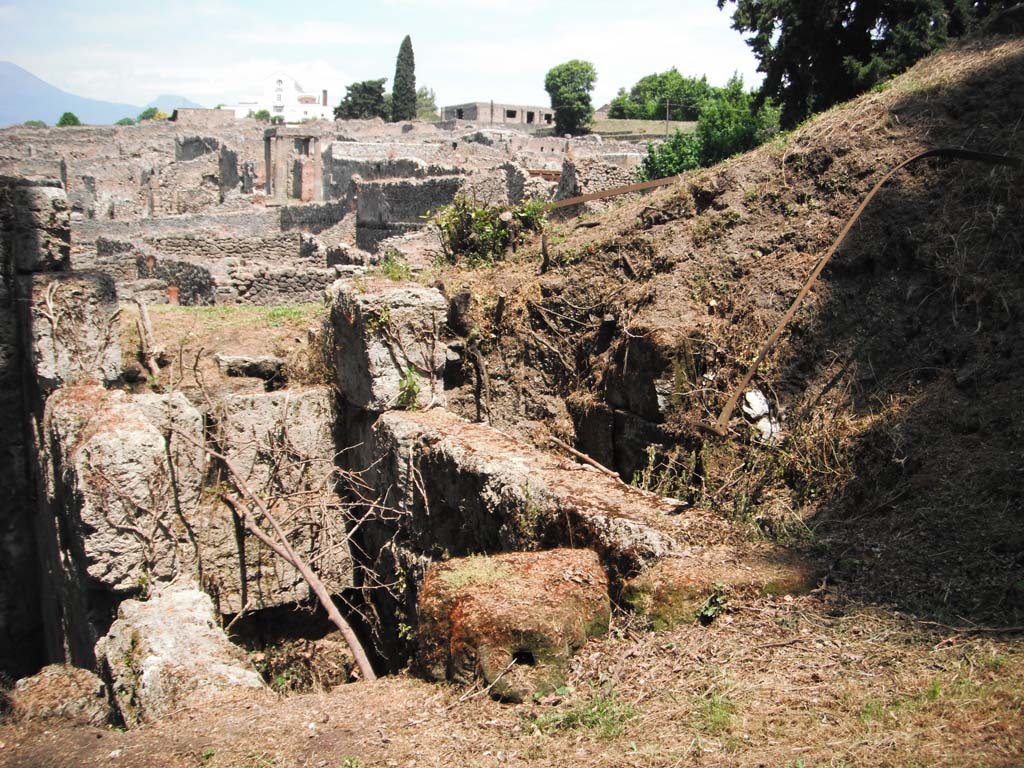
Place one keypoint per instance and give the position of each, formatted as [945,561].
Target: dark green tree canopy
[68,119]
[403,92]
[816,53]
[569,86]
[125,121]
[363,100]
[647,99]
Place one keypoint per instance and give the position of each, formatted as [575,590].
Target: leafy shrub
[481,234]
[393,267]
[152,113]
[125,121]
[34,124]
[263,115]
[409,390]
[727,126]
[68,119]
[680,153]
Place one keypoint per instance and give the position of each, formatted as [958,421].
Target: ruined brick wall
[313,218]
[196,285]
[253,221]
[205,118]
[284,246]
[271,285]
[343,161]
[391,207]
[583,176]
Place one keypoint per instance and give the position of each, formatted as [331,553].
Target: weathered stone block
[683,588]
[513,620]
[36,227]
[467,488]
[387,348]
[61,692]
[123,484]
[69,328]
[282,446]
[168,653]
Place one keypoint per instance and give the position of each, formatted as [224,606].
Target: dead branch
[584,458]
[149,349]
[278,543]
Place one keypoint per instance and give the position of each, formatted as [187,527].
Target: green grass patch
[713,713]
[602,714]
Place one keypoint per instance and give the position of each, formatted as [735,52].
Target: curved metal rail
[720,427]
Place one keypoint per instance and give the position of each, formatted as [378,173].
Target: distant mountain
[23,96]
[168,103]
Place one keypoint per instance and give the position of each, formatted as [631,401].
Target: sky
[219,51]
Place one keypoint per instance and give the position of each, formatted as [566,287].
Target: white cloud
[219,50]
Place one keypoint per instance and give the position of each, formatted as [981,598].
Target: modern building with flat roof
[489,112]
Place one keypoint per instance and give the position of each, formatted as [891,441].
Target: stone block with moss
[510,621]
[697,584]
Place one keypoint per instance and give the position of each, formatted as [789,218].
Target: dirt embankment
[898,463]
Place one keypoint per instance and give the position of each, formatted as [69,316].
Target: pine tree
[403,93]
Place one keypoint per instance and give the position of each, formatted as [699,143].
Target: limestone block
[282,445]
[61,692]
[466,487]
[513,620]
[37,228]
[69,327]
[122,483]
[387,348]
[168,653]
[684,588]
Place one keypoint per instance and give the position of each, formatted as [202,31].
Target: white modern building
[284,97]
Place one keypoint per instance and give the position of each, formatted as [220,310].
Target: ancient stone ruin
[129,510]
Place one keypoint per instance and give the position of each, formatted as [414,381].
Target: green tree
[263,115]
[569,86]
[34,124]
[646,100]
[68,119]
[152,113]
[728,124]
[816,54]
[363,100]
[125,121]
[403,91]
[426,104]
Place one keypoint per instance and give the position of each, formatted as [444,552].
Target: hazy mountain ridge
[23,96]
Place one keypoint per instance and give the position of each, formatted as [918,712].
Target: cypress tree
[403,93]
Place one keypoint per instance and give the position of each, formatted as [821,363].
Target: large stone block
[124,483]
[512,620]
[69,328]
[61,692]
[168,653]
[466,488]
[697,582]
[388,351]
[36,226]
[282,445]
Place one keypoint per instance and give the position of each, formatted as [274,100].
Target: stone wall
[342,164]
[582,177]
[313,218]
[391,207]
